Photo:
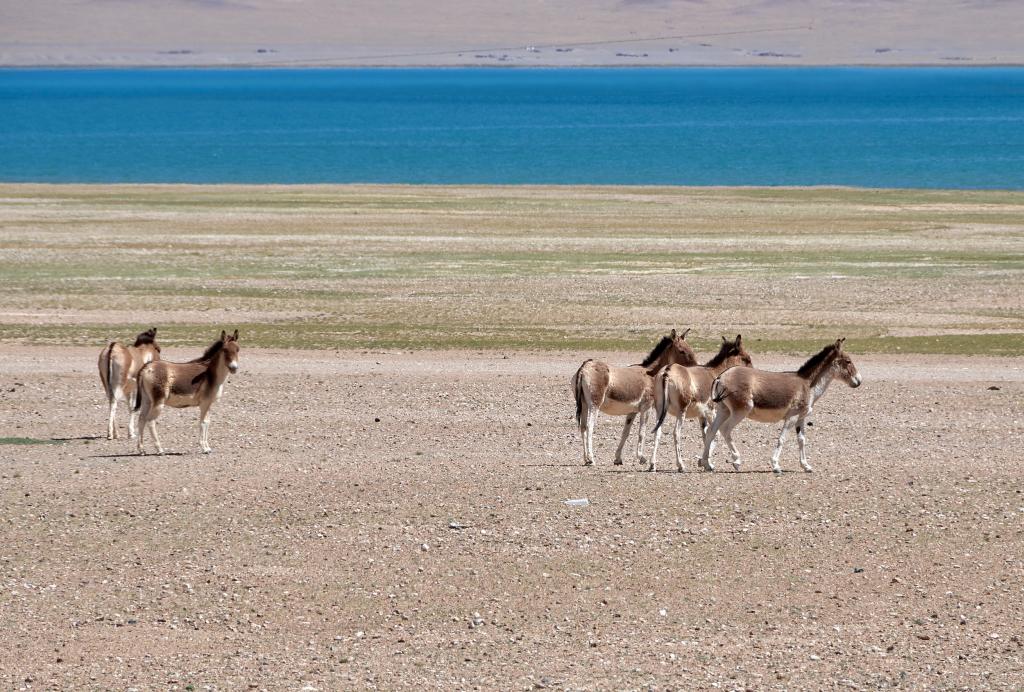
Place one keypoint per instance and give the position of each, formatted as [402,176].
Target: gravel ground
[395,520]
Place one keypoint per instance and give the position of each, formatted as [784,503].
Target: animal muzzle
[855,381]
[233,366]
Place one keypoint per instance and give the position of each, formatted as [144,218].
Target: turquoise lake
[874,127]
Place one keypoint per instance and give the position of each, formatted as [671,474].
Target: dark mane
[815,361]
[723,353]
[665,342]
[146,337]
[212,351]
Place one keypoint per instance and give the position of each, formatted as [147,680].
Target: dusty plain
[384,507]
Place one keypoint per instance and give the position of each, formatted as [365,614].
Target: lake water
[881,127]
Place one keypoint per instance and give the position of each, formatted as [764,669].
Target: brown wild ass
[198,382]
[770,397]
[685,391]
[627,392]
[119,365]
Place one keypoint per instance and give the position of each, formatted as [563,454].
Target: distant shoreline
[540,66]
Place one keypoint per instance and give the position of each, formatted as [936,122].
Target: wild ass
[628,391]
[770,397]
[198,382]
[685,391]
[119,365]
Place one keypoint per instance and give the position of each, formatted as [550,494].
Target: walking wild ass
[685,391]
[198,382]
[119,365]
[770,397]
[627,392]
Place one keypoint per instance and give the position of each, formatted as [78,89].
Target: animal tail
[578,392]
[664,401]
[108,383]
[138,389]
[718,391]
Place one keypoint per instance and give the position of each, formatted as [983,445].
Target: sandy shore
[453,32]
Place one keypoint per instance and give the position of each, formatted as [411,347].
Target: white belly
[620,408]
[177,401]
[695,410]
[769,415]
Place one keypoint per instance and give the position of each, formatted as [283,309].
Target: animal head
[731,354]
[147,341]
[843,366]
[677,349]
[230,349]
[671,349]
[681,351]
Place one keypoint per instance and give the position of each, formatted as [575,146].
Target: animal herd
[135,374]
[719,394]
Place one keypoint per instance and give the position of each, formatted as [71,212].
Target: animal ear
[686,332]
[234,336]
[723,339]
[673,334]
[839,342]
[739,339]
[223,335]
[153,330]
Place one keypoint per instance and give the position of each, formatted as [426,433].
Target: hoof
[736,465]
[588,462]
[617,462]
[642,460]
[650,468]
[808,469]
[207,450]
[777,471]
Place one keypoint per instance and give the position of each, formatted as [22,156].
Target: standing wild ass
[119,365]
[770,397]
[198,382]
[627,392]
[685,391]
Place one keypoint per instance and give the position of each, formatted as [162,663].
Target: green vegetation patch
[528,267]
[28,441]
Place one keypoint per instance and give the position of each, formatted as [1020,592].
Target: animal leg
[584,422]
[642,438]
[721,414]
[734,420]
[204,429]
[654,450]
[625,436]
[733,452]
[677,434]
[147,418]
[802,439]
[144,419]
[156,438]
[705,427]
[133,415]
[777,454]
[588,448]
[111,427]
